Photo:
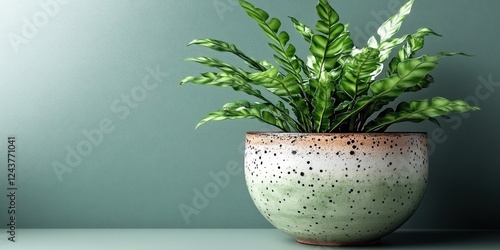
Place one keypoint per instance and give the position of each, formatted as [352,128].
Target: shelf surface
[229,239]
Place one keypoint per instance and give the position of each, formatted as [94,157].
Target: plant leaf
[417,111]
[327,49]
[387,31]
[213,62]
[287,88]
[274,24]
[424,83]
[326,13]
[415,42]
[285,56]
[265,112]
[387,46]
[384,91]
[322,102]
[305,31]
[273,81]
[393,24]
[410,73]
[280,40]
[333,40]
[358,72]
[342,106]
[231,48]
[224,79]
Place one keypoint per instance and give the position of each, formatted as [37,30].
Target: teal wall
[102,77]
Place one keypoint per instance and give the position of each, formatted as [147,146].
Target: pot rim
[333,133]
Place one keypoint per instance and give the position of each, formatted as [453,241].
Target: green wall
[102,77]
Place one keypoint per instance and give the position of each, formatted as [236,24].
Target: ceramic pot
[336,189]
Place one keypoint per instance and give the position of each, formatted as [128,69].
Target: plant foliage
[339,87]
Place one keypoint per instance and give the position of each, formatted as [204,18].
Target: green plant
[336,89]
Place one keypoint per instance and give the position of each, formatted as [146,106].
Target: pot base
[338,243]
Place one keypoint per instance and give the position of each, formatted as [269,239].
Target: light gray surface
[230,239]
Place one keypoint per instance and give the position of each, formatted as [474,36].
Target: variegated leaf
[393,24]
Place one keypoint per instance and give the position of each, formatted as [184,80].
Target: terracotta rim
[337,133]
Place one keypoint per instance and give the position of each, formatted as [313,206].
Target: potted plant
[332,175]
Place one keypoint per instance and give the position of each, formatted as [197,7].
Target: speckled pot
[336,189]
